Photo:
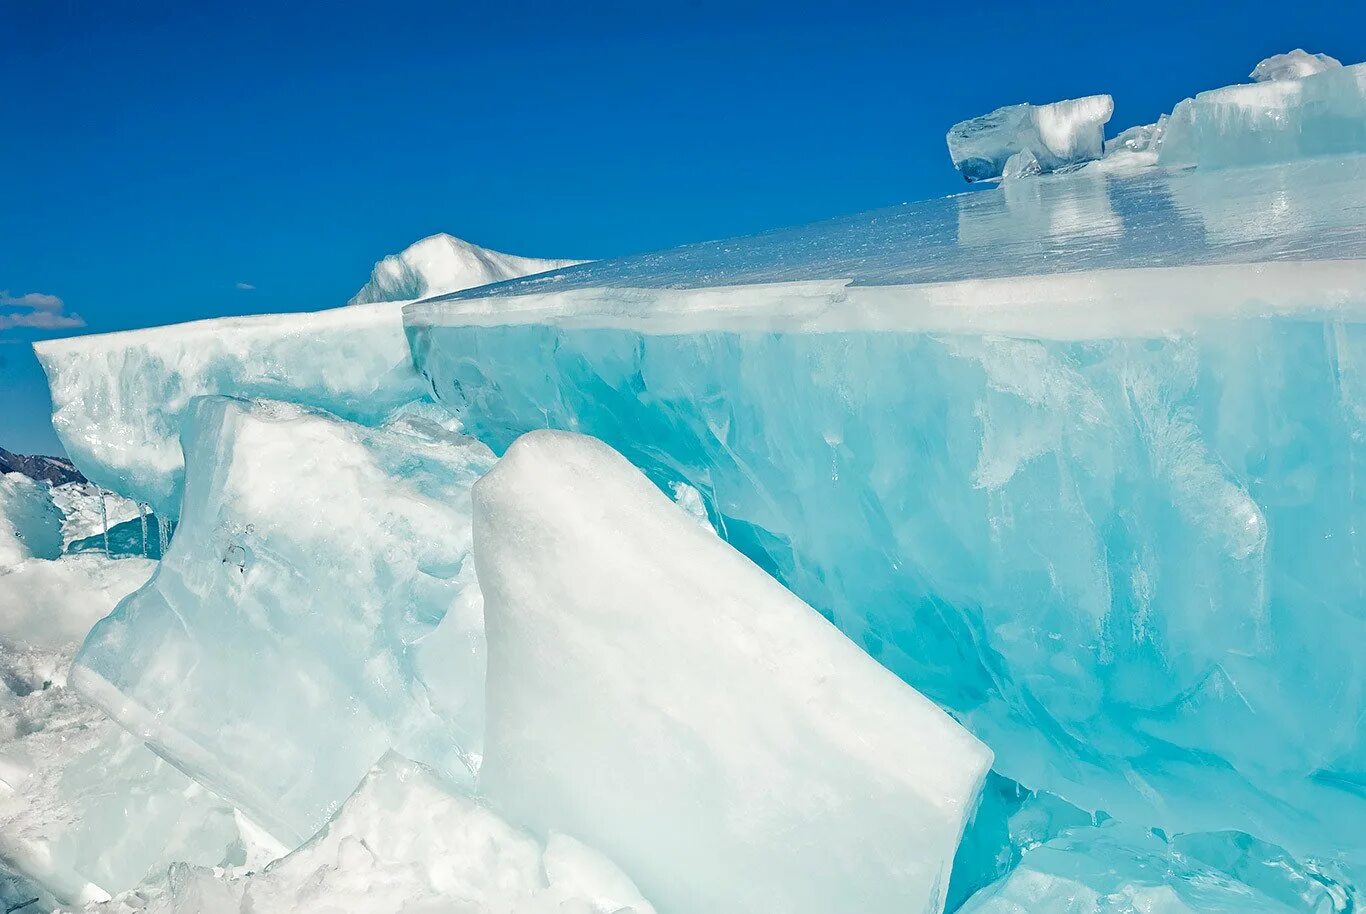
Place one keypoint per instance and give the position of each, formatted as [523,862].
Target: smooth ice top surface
[316,608]
[1062,255]
[443,263]
[1295,64]
[1056,134]
[656,694]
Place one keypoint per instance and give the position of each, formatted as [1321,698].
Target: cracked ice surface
[294,631]
[1077,458]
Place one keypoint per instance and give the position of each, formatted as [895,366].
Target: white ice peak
[1295,64]
[443,263]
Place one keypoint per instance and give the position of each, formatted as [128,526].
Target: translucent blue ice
[1077,457]
[1062,133]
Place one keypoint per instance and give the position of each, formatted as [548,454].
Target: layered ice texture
[1054,135]
[119,399]
[1078,459]
[316,608]
[657,694]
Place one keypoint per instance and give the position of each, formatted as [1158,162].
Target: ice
[1058,134]
[119,398]
[1078,458]
[655,694]
[86,509]
[30,524]
[1295,64]
[405,842]
[1282,120]
[283,645]
[1023,164]
[85,808]
[1118,870]
[442,263]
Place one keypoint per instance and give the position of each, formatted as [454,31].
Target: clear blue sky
[155,156]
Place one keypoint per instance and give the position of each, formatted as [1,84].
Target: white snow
[654,693]
[439,264]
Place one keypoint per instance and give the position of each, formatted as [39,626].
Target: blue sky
[157,157]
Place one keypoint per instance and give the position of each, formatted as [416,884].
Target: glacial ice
[119,398]
[654,693]
[1281,120]
[282,646]
[442,263]
[1062,133]
[405,842]
[1295,64]
[1108,511]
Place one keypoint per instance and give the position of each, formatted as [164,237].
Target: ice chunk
[1279,121]
[654,693]
[442,263]
[1023,164]
[1295,64]
[86,510]
[404,842]
[1058,134]
[119,398]
[1079,460]
[1115,870]
[30,524]
[1146,138]
[85,808]
[279,650]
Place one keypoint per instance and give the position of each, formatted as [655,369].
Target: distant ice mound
[1055,135]
[442,263]
[1296,64]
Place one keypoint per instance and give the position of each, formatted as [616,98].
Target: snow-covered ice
[1062,133]
[1295,64]
[654,693]
[284,644]
[442,263]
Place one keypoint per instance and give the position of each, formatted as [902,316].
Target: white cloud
[246,287]
[35,311]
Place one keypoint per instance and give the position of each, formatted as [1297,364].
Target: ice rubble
[1106,513]
[404,842]
[290,635]
[442,263]
[655,693]
[1062,133]
[119,398]
[1295,64]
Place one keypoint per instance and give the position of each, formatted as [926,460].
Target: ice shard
[1078,458]
[654,693]
[1062,133]
[283,645]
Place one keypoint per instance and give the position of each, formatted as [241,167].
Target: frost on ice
[283,645]
[654,693]
[1062,133]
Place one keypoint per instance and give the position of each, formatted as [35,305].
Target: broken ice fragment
[1058,134]
[30,524]
[443,263]
[655,693]
[1295,64]
[279,650]
[1023,164]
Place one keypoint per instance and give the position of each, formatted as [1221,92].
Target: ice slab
[88,511]
[654,693]
[282,646]
[30,524]
[1116,870]
[405,842]
[442,263]
[1062,133]
[1282,120]
[1295,64]
[85,808]
[1108,514]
